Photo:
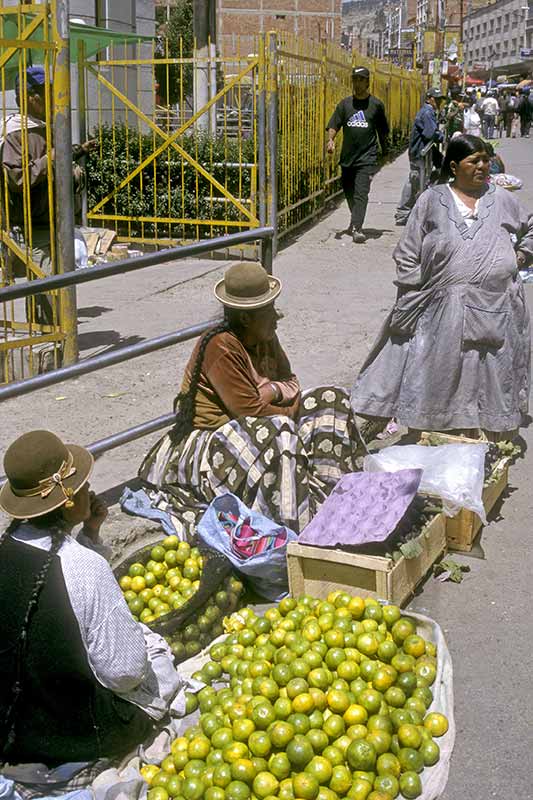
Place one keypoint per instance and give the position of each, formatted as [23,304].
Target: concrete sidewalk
[335,297]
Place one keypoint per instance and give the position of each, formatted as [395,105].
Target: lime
[299,752]
[361,755]
[410,785]
[265,785]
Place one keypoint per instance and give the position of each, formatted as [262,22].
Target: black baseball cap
[436,93]
[360,72]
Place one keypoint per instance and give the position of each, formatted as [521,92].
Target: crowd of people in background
[490,113]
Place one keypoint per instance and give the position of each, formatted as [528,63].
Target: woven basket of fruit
[167,584]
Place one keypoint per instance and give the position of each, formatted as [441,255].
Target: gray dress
[454,351]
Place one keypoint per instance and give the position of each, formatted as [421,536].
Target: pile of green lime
[165,583]
[320,700]
[207,622]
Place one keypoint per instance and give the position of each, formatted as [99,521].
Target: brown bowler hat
[247,285]
[42,474]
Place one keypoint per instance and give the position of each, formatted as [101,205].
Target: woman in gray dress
[454,352]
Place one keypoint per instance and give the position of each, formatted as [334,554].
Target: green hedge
[122,149]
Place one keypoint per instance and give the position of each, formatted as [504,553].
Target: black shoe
[359,237]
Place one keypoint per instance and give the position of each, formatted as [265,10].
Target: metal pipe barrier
[103,360]
[131,434]
[29,288]
[95,363]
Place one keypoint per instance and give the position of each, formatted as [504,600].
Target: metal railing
[31,288]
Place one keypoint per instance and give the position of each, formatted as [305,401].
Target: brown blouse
[235,382]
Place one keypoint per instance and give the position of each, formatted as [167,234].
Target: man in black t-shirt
[363,121]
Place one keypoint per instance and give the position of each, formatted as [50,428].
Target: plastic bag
[266,569]
[81,253]
[454,472]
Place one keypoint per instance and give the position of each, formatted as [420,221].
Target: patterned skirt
[281,468]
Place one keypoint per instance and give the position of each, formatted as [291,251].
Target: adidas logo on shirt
[357,120]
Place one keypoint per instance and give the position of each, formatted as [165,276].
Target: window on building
[514,46]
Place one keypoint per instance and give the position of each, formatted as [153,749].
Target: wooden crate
[318,571]
[461,530]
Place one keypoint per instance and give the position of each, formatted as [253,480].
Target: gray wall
[131,16]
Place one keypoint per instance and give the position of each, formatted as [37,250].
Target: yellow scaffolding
[167,172]
[31,334]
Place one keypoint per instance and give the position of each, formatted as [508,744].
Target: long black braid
[8,724]
[185,402]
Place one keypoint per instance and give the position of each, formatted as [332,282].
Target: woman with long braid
[243,424]
[77,678]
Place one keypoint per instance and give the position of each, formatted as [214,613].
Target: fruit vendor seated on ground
[80,679]
[244,425]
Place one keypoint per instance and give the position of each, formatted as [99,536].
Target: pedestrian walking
[490,112]
[472,120]
[363,121]
[525,112]
[425,130]
[454,351]
[454,114]
[510,109]
[478,105]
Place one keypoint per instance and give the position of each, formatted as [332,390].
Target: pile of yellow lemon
[327,699]
[169,578]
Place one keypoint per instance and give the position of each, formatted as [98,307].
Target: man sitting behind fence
[26,168]
[243,424]
[425,130]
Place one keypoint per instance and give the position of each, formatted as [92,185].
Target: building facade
[498,38]
[124,16]
[438,28]
[239,21]
[400,28]
[363,27]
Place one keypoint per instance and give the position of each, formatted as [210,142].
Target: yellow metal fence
[30,332]
[168,170]
[171,164]
[312,78]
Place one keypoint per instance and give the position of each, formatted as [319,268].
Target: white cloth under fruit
[124,655]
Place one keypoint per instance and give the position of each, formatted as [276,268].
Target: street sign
[526,52]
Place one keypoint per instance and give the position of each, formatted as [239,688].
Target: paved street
[335,297]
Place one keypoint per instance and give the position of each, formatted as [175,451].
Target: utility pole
[204,30]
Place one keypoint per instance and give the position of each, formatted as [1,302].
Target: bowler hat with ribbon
[247,285]
[42,474]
